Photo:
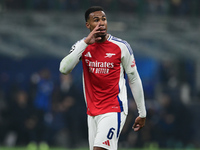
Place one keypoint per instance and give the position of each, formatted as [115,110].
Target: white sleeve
[71,60]
[135,83]
[137,91]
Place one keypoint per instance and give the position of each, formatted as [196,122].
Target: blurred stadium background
[39,106]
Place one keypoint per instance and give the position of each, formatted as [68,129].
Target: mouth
[102,30]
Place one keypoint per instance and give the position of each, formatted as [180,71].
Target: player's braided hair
[91,10]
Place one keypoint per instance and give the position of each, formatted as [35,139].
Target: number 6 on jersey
[110,133]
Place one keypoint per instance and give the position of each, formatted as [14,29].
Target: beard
[102,35]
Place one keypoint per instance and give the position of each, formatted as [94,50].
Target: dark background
[39,105]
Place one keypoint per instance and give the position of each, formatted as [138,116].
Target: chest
[105,53]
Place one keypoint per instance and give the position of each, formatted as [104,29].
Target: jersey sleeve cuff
[83,44]
[142,115]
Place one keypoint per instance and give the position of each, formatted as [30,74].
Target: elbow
[63,70]
[66,65]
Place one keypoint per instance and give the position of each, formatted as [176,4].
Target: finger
[97,38]
[97,27]
[95,31]
[137,127]
[93,34]
[134,125]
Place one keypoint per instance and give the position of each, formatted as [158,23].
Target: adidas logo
[107,143]
[88,54]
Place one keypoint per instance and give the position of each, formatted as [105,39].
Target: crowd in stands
[48,112]
[171,7]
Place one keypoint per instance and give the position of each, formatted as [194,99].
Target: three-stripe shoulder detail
[121,41]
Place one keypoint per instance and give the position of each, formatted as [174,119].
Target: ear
[87,25]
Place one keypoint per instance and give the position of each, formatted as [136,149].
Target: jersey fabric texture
[103,75]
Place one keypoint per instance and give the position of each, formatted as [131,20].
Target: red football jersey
[104,67]
[102,70]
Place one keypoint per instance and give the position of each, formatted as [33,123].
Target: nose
[101,22]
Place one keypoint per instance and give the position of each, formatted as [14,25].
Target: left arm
[135,84]
[137,91]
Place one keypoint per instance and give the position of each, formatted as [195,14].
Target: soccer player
[105,59]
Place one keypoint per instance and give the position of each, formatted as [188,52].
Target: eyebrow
[99,17]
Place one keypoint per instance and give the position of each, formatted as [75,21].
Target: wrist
[142,116]
[86,41]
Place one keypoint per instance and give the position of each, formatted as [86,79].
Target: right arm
[70,61]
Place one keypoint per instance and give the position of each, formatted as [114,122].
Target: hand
[91,38]
[139,123]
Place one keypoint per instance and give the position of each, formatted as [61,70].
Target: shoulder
[77,42]
[121,43]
